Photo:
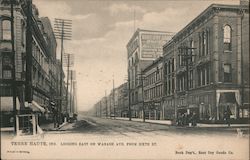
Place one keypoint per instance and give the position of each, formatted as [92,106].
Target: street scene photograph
[124,79]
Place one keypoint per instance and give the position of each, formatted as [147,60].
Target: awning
[36,107]
[6,104]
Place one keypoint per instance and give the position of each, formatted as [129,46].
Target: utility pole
[143,109]
[13,67]
[62,31]
[72,77]
[184,53]
[69,58]
[129,101]
[114,95]
[106,101]
[100,108]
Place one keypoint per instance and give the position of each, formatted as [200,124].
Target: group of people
[185,119]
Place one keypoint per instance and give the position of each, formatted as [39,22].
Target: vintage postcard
[124,79]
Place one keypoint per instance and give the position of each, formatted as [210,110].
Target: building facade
[152,78]
[206,65]
[143,48]
[35,46]
[122,105]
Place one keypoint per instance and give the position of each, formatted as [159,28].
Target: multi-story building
[152,78]
[42,79]
[122,106]
[143,48]
[206,65]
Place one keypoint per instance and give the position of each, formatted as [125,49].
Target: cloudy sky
[102,28]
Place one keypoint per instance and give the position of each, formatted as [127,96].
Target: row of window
[203,46]
[6,30]
[203,78]
[153,77]
[170,66]
[40,57]
[153,92]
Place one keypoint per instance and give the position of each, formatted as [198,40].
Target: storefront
[228,99]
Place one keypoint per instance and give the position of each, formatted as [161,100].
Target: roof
[145,30]
[155,62]
[205,12]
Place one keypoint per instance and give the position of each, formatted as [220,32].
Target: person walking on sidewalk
[227,115]
[194,119]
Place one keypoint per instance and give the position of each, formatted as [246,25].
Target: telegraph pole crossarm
[62,31]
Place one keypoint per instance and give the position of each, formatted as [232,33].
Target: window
[203,75]
[191,80]
[23,32]
[204,43]
[173,85]
[169,67]
[7,74]
[227,38]
[172,64]
[227,73]
[6,29]
[180,60]
[192,50]
[166,68]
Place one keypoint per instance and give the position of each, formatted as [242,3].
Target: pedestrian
[227,114]
[179,119]
[194,119]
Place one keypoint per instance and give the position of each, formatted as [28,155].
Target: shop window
[227,73]
[6,29]
[227,38]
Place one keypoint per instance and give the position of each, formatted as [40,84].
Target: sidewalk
[50,126]
[168,122]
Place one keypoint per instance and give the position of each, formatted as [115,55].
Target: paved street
[118,138]
[125,128]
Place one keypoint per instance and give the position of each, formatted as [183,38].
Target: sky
[101,30]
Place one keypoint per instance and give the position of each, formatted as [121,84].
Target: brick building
[206,65]
[143,48]
[122,105]
[42,78]
[153,90]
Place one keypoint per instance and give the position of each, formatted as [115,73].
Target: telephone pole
[69,58]
[62,30]
[13,67]
[106,102]
[100,108]
[114,96]
[143,108]
[187,58]
[129,101]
